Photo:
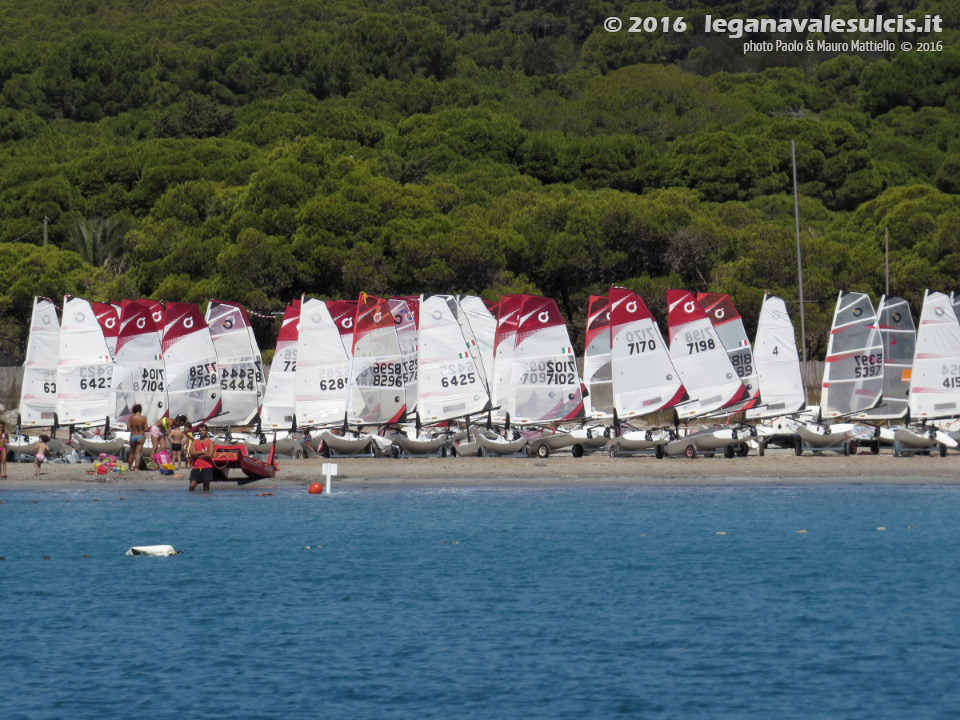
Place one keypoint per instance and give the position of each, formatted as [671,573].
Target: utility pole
[796,214]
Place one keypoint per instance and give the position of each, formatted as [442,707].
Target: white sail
[853,372]
[38,393]
[899,337]
[726,320]
[138,373]
[323,367]
[190,361]
[935,378]
[644,377]
[700,358]
[239,365]
[483,326]
[404,311]
[451,382]
[377,394]
[279,399]
[85,370]
[508,316]
[777,362]
[597,367]
[545,382]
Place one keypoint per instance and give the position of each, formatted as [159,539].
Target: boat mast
[796,215]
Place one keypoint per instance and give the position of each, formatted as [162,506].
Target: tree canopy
[183,150]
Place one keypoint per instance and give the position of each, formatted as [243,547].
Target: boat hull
[492,444]
[97,446]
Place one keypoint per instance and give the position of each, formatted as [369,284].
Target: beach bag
[161,458]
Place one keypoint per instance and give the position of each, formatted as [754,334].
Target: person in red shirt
[202,454]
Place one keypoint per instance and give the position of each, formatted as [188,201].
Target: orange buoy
[316,489]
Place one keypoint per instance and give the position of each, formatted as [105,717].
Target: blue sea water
[483,603]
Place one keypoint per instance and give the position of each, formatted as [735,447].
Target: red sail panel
[718,307]
[598,316]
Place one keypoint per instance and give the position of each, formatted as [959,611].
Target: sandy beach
[779,467]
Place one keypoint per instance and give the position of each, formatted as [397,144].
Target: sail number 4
[868,366]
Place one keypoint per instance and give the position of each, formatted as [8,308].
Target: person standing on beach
[181,422]
[41,455]
[137,424]
[202,453]
[158,433]
[177,437]
[4,439]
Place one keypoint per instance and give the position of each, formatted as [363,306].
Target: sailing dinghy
[451,381]
[544,380]
[84,375]
[707,374]
[377,390]
[899,337]
[277,414]
[935,378]
[239,364]
[190,362]
[138,372]
[645,380]
[38,392]
[852,377]
[323,367]
[726,320]
[779,377]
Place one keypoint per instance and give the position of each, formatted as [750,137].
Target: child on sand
[176,437]
[42,451]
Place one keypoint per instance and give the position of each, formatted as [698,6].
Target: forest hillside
[253,151]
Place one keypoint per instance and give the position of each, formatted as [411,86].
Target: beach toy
[102,470]
[315,489]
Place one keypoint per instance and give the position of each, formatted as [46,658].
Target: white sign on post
[329,469]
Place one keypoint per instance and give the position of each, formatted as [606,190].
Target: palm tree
[99,240]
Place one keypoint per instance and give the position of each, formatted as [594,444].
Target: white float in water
[153,550]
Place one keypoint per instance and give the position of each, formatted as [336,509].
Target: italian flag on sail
[463,355]
[566,351]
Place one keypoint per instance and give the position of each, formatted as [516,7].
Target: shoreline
[775,468]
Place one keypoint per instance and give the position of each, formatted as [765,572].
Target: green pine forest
[254,150]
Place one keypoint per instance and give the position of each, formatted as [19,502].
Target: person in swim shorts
[41,455]
[177,437]
[202,453]
[138,434]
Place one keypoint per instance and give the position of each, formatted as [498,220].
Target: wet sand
[777,467]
